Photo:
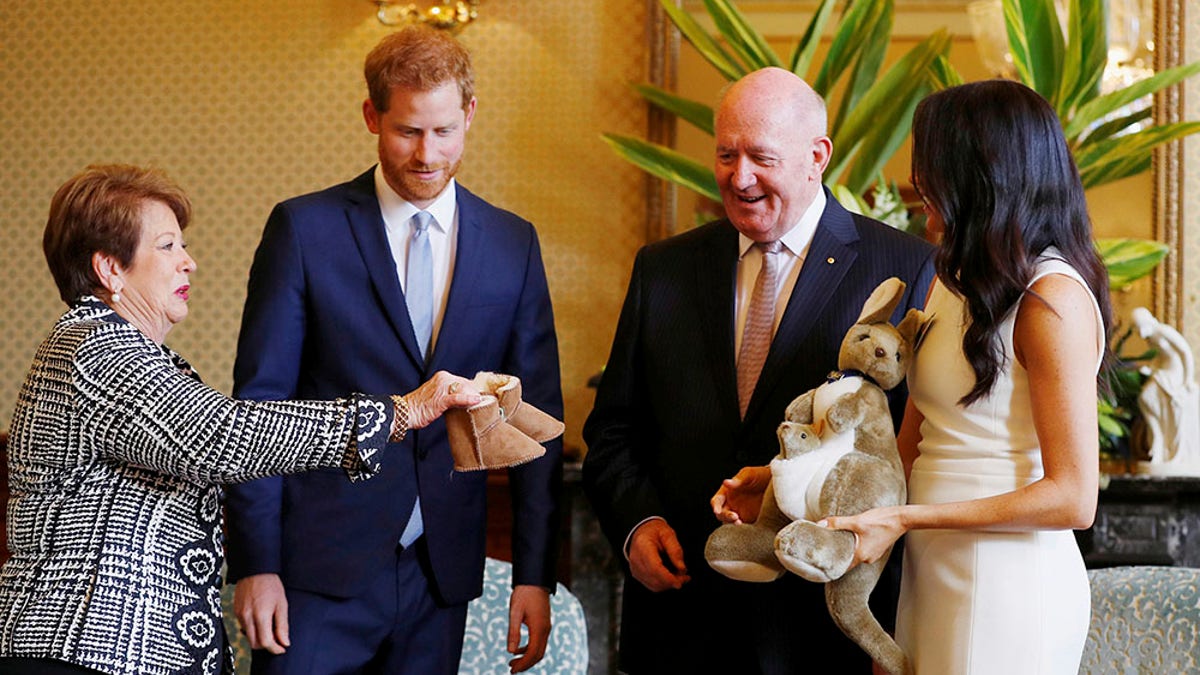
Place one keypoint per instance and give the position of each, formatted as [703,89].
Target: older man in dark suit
[722,327]
[370,286]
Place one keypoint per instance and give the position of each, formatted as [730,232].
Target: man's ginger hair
[419,58]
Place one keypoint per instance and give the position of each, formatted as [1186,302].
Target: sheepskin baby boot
[529,420]
[480,438]
[501,430]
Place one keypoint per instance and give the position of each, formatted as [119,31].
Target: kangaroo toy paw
[743,553]
[813,552]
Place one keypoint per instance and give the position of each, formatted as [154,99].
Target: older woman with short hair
[117,449]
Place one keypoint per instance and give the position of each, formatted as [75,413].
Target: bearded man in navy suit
[669,421]
[371,286]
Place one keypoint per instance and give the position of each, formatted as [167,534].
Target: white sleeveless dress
[977,602]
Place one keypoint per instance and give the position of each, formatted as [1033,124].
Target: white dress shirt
[443,239]
[791,258]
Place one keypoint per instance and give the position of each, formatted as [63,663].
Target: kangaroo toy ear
[882,302]
[914,326]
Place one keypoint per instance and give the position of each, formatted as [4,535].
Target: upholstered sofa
[1144,620]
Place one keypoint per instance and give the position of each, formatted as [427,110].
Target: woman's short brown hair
[100,210]
[420,58]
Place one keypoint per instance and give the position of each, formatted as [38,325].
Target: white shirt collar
[398,210]
[797,239]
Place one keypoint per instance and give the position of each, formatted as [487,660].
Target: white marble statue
[1170,401]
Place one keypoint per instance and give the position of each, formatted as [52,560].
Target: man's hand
[260,606]
[739,499]
[529,606]
[656,558]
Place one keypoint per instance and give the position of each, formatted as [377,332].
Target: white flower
[371,415]
[198,565]
[196,628]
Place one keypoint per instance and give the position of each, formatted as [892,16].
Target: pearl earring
[116,297]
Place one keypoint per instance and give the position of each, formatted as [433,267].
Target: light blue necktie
[418,293]
[418,288]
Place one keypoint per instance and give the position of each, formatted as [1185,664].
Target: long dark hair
[991,159]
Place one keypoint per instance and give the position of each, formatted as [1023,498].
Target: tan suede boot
[528,419]
[481,439]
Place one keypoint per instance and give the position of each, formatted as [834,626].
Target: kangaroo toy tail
[847,601]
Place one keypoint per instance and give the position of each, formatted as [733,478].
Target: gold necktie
[760,322]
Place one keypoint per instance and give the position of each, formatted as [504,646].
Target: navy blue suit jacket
[665,429]
[325,316]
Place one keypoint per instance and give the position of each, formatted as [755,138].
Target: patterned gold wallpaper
[1190,211]
[247,103]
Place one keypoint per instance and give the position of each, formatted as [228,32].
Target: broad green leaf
[1085,56]
[1112,128]
[1072,60]
[1128,155]
[1112,427]
[1036,42]
[802,56]
[1143,141]
[887,103]
[1109,425]
[1128,260]
[1018,40]
[666,163]
[1048,45]
[854,31]
[1116,169]
[866,67]
[702,41]
[942,75]
[741,36]
[849,199]
[1098,108]
[696,113]
[880,144]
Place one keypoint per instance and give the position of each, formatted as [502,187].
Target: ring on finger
[454,387]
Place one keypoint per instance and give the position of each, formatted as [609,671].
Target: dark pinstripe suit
[665,431]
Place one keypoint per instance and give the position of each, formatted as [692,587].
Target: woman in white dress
[1000,436]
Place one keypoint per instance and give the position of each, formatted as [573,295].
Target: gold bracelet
[400,419]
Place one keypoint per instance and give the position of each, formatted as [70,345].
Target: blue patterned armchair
[1144,620]
[487,629]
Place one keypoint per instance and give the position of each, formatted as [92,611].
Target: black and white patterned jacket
[115,454]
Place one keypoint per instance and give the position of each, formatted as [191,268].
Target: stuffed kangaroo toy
[837,457]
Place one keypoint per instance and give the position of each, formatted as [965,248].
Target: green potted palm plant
[1105,137]
[1109,141]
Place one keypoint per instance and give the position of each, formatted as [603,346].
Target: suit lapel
[716,279]
[829,258]
[366,224]
[468,261]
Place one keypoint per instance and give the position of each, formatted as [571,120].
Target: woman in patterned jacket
[117,449]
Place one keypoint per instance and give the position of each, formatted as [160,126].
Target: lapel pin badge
[830,260]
